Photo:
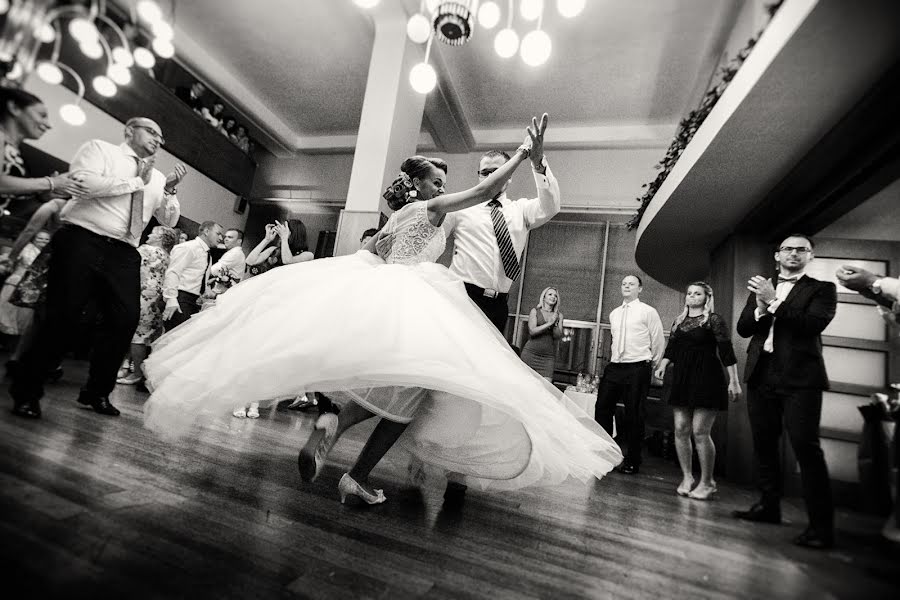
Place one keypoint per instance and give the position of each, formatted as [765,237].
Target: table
[585,401]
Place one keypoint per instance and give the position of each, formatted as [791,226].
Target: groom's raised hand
[536,133]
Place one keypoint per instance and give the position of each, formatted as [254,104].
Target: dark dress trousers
[785,391]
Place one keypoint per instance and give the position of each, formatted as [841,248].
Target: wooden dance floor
[99,506]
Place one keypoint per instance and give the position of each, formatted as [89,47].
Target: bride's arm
[484,191]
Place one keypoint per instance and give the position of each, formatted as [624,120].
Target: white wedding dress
[395,333]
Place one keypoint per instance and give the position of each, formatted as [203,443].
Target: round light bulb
[46,33]
[489,15]
[72,114]
[570,8]
[84,30]
[49,72]
[506,43]
[536,47]
[4,6]
[163,30]
[122,56]
[366,3]
[144,58]
[119,73]
[104,86]
[422,78]
[418,28]
[149,11]
[531,9]
[91,49]
[163,48]
[15,72]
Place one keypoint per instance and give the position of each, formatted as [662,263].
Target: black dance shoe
[100,404]
[29,410]
[815,540]
[454,495]
[760,513]
[629,469]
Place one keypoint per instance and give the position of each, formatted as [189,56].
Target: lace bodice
[408,237]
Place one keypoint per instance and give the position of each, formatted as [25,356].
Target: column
[388,128]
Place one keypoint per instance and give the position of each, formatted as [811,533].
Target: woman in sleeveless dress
[395,333]
[545,328]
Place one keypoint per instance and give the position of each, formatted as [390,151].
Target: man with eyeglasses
[785,377]
[489,239]
[94,259]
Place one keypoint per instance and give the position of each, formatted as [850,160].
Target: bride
[397,335]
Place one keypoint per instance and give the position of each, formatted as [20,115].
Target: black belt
[489,293]
[105,238]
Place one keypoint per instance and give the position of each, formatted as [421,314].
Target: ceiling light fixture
[32,24]
[452,22]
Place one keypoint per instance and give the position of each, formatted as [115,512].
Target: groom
[489,240]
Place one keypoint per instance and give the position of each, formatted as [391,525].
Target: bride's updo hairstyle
[403,191]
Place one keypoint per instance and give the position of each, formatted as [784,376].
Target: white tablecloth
[585,401]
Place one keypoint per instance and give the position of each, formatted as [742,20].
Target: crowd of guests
[213,112]
[76,251]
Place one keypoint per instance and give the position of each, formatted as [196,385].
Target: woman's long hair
[400,192]
[707,306]
[540,303]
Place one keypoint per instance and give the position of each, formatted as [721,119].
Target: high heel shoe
[348,486]
[702,492]
[253,411]
[312,455]
[240,413]
[685,490]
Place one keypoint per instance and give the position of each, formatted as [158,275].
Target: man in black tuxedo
[785,378]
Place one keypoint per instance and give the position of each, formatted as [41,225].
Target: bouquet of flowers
[219,284]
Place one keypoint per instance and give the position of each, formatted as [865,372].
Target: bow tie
[788,279]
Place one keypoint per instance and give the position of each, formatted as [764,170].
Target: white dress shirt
[233,260]
[187,268]
[781,292]
[476,256]
[637,333]
[110,174]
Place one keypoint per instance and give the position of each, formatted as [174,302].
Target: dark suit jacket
[799,322]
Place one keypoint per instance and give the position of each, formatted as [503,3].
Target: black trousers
[628,382]
[187,302]
[84,267]
[798,411]
[496,309]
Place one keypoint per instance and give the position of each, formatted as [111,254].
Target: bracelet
[168,193]
[50,181]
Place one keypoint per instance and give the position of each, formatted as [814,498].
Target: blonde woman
[698,347]
[545,327]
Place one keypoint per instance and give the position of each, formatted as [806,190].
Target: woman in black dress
[698,384]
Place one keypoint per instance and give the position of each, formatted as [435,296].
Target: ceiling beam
[444,118]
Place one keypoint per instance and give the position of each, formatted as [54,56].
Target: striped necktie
[136,218]
[504,242]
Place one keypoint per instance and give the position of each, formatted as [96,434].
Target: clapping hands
[282,229]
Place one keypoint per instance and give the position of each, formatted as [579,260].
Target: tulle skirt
[405,342]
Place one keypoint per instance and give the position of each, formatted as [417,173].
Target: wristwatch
[876,286]
[543,166]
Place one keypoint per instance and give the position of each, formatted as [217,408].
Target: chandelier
[32,25]
[452,22]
